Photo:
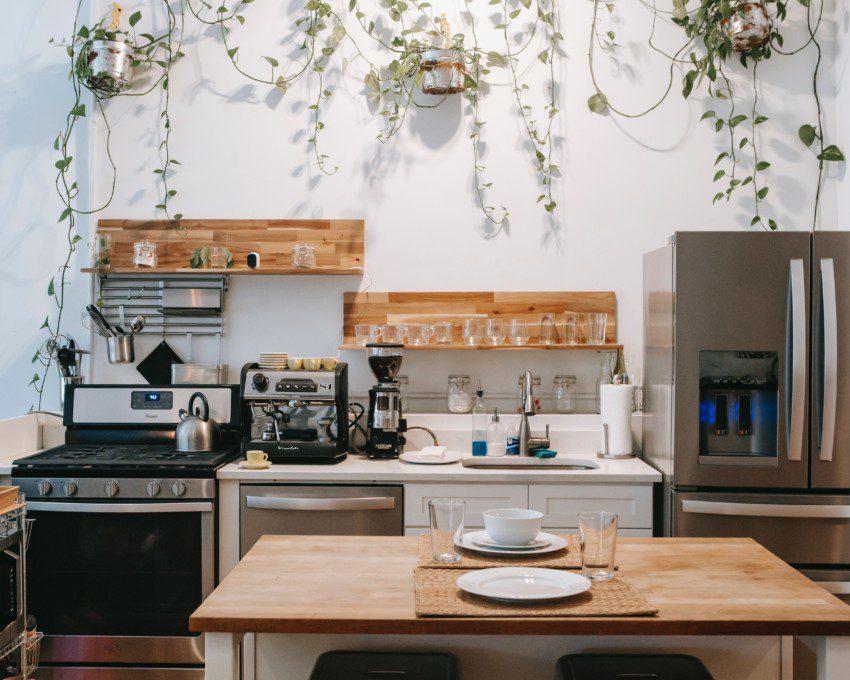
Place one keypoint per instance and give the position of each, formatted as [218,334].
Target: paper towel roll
[615,406]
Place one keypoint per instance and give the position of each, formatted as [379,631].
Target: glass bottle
[605,377]
[458,398]
[496,437]
[479,424]
[563,394]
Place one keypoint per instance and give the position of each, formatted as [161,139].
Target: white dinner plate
[417,458]
[469,542]
[484,539]
[523,584]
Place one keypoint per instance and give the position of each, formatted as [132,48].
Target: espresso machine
[295,416]
[385,438]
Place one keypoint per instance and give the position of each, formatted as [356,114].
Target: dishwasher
[326,510]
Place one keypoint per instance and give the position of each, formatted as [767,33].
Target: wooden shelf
[238,271]
[339,245]
[434,346]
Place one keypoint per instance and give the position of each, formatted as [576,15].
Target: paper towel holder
[604,453]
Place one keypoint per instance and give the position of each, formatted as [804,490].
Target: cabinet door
[478,497]
[561,503]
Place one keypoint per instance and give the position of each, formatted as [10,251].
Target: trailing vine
[716,31]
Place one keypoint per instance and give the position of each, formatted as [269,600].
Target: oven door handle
[279,503]
[119,508]
[767,510]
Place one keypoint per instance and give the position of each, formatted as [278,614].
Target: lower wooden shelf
[238,271]
[435,346]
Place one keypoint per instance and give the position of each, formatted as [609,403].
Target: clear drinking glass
[443,332]
[548,336]
[495,331]
[598,536]
[218,257]
[597,324]
[392,333]
[519,332]
[446,528]
[419,333]
[472,331]
[571,334]
[458,398]
[366,333]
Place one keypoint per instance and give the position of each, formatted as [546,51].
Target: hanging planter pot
[749,26]
[108,67]
[443,71]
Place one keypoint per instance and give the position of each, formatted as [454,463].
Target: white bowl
[513,526]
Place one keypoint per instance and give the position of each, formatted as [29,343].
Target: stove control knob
[260,382]
[44,488]
[179,488]
[111,488]
[69,487]
[153,488]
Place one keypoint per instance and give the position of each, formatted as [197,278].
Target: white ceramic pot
[748,27]
[513,526]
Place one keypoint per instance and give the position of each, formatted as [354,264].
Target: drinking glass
[598,536]
[218,257]
[366,333]
[597,324]
[571,334]
[495,331]
[446,528]
[392,333]
[472,331]
[548,334]
[418,333]
[519,332]
[443,331]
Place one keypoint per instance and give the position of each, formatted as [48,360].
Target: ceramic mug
[329,363]
[312,363]
[256,457]
[294,363]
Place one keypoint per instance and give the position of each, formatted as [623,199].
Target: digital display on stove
[152,401]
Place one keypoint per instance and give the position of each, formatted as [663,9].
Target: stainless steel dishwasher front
[327,510]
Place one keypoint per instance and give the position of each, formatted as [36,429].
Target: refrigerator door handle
[795,353]
[828,357]
[766,509]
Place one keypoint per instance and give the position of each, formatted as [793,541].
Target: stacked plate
[273,361]
[523,584]
[480,541]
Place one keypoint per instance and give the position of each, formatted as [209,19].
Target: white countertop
[360,469]
[28,434]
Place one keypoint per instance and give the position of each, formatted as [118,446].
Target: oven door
[116,582]
[11,587]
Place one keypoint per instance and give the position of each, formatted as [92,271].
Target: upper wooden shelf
[339,245]
[399,308]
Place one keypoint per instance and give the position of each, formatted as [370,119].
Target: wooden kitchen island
[728,601]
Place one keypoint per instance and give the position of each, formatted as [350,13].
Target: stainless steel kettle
[196,431]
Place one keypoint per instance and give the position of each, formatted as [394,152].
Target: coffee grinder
[385,424]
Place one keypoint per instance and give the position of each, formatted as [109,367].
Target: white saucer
[419,459]
[523,584]
[486,541]
[245,465]
[471,542]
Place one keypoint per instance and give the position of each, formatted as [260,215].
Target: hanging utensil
[102,324]
[137,324]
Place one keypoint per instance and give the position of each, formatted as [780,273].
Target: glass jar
[144,254]
[564,394]
[304,255]
[458,398]
[103,249]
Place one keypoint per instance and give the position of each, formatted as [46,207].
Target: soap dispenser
[479,424]
[496,438]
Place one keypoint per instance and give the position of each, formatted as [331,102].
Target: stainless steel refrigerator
[747,391]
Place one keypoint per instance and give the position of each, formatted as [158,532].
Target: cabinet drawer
[479,497]
[561,503]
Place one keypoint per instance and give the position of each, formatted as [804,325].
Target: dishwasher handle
[766,510]
[319,503]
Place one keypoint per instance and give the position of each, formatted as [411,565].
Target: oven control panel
[83,488]
[155,400]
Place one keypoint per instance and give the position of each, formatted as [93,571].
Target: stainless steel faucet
[527,439]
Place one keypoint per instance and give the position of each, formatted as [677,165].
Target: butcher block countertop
[364,584]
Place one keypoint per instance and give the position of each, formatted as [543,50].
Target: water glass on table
[446,528]
[598,536]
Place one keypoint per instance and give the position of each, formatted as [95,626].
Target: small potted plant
[105,60]
[748,28]
[443,68]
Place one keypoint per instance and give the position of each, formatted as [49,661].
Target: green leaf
[717,197]
[51,287]
[718,175]
[758,120]
[496,59]
[274,62]
[178,217]
[597,103]
[708,114]
[762,193]
[232,52]
[134,18]
[755,220]
[807,134]
[77,238]
[831,153]
[79,110]
[65,214]
[720,157]
[762,165]
[772,225]
[46,323]
[737,120]
[34,380]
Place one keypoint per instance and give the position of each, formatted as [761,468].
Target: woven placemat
[568,558]
[437,594]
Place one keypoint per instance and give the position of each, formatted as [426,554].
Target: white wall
[626,186]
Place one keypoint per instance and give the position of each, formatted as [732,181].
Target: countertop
[28,434]
[358,468]
[364,584]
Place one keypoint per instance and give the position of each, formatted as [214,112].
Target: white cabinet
[561,503]
[478,497]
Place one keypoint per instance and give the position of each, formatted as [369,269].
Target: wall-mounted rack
[339,245]
[408,307]
[142,294]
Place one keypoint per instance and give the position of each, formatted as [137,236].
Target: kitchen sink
[523,462]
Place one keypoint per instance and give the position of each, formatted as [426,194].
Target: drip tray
[514,462]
